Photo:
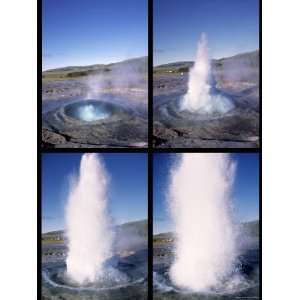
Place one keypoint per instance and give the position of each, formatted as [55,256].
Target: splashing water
[199,202]
[199,96]
[88,223]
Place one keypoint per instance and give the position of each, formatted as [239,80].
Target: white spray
[198,96]
[88,223]
[199,201]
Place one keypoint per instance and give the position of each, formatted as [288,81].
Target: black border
[259,150]
[150,225]
[150,74]
[39,150]
[150,150]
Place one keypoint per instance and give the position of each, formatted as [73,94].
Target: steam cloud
[199,202]
[198,96]
[87,222]
[126,76]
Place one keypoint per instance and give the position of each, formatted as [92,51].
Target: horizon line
[214,58]
[118,224]
[90,65]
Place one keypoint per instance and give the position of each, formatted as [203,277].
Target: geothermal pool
[117,275]
[104,122]
[243,281]
[177,127]
[89,110]
[124,278]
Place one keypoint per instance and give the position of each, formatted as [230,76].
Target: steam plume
[199,96]
[199,201]
[88,223]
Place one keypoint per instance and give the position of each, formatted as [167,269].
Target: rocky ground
[237,78]
[125,127]
[124,83]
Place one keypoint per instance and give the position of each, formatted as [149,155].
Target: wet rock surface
[125,126]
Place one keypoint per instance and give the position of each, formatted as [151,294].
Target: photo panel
[94,242]
[206,220]
[94,85]
[206,74]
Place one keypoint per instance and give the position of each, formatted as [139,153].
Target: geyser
[90,113]
[87,222]
[199,202]
[89,110]
[199,97]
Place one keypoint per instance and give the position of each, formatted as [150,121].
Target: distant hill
[131,235]
[53,233]
[248,59]
[137,64]
[250,228]
[136,228]
[175,67]
[139,228]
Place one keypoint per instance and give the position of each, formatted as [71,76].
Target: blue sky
[127,194]
[83,32]
[231,27]
[245,189]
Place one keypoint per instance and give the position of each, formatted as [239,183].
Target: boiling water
[90,113]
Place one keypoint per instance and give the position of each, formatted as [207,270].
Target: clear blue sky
[231,27]
[83,32]
[127,194]
[245,189]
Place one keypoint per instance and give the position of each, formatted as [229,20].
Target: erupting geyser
[199,201]
[87,223]
[91,113]
[199,97]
